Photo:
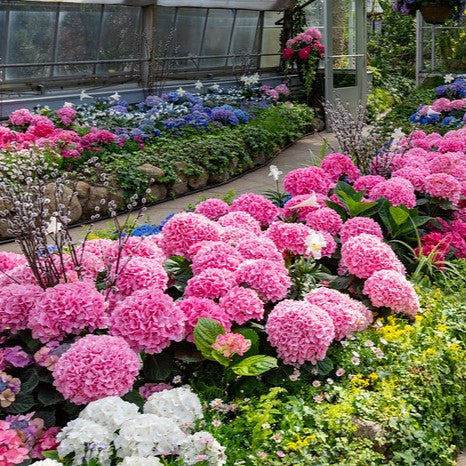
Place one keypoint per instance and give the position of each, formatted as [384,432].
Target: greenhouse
[232,232]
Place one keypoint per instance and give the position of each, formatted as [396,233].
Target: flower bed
[205,338]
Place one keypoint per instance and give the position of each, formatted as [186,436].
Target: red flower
[303,54]
[288,54]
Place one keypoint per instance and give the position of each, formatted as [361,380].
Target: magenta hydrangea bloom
[398,191]
[103,248]
[416,176]
[241,220]
[365,254]
[140,247]
[21,117]
[234,235]
[306,181]
[67,309]
[289,209]
[358,225]
[212,208]
[211,283]
[260,208]
[148,320]
[10,260]
[300,332]
[330,246]
[149,389]
[268,278]
[66,115]
[289,237]
[452,163]
[324,219]
[443,186]
[242,305]
[452,144]
[388,288]
[337,165]
[94,367]
[367,182]
[185,229]
[194,308]
[259,248]
[16,301]
[139,273]
[22,274]
[343,310]
[216,255]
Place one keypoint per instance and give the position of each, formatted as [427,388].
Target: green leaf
[49,396]
[366,208]
[134,397]
[254,365]
[51,454]
[31,383]
[325,366]
[399,214]
[253,337]
[22,404]
[205,334]
[157,366]
[340,283]
[338,209]
[219,357]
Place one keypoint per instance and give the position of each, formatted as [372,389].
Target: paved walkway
[304,152]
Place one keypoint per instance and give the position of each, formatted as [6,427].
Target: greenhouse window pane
[271,39]
[188,35]
[243,41]
[78,38]
[165,23]
[120,37]
[2,28]
[217,37]
[31,37]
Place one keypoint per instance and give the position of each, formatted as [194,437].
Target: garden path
[302,153]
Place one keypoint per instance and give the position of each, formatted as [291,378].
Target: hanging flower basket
[436,13]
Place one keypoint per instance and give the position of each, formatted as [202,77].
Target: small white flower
[54,226]
[277,437]
[369,343]
[215,87]
[311,201]
[344,343]
[383,341]
[198,85]
[294,377]
[216,422]
[181,91]
[330,381]
[315,242]
[396,137]
[84,95]
[177,379]
[141,461]
[316,383]
[340,372]
[431,112]
[115,96]
[265,426]
[448,78]
[250,80]
[68,105]
[355,361]
[274,172]
[318,399]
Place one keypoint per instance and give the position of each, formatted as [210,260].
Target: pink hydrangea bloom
[452,163]
[140,247]
[140,273]
[307,180]
[103,248]
[218,255]
[241,220]
[260,208]
[230,344]
[12,450]
[259,248]
[212,208]
[234,235]
[443,186]
[242,305]
[94,367]
[452,144]
[365,316]
[388,288]
[337,164]
[367,182]
[330,246]
[10,260]
[211,283]
[66,115]
[398,191]
[343,310]
[365,254]
[324,219]
[67,309]
[289,237]
[16,302]
[416,176]
[268,278]
[300,332]
[20,117]
[195,308]
[148,320]
[185,229]
[21,274]
[150,388]
[302,212]
[357,225]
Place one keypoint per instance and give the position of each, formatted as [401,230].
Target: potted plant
[306,51]
[433,11]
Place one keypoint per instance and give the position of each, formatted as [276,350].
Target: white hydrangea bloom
[179,404]
[141,461]
[111,412]
[48,462]
[202,446]
[148,435]
[87,440]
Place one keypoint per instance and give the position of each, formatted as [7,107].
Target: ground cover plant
[276,330]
